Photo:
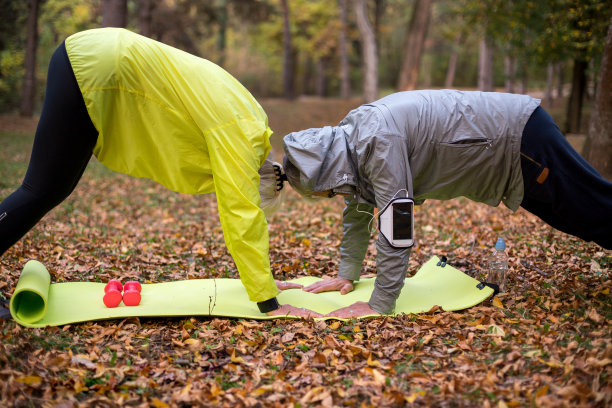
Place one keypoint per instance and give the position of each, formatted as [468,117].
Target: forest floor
[546,342]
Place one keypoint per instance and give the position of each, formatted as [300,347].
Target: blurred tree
[573,29]
[11,52]
[598,146]
[345,84]
[288,72]
[114,13]
[29,79]
[414,44]
[485,65]
[370,58]
[145,16]
[452,62]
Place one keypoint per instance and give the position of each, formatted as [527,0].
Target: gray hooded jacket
[426,144]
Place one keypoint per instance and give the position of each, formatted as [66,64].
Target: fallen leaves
[546,342]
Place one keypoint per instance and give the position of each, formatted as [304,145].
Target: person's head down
[317,160]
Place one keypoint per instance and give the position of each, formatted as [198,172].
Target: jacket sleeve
[235,168]
[355,238]
[388,170]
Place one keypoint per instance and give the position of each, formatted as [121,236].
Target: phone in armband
[396,222]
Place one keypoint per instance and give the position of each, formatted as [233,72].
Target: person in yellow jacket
[149,110]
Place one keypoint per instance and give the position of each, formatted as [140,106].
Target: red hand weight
[131,294]
[112,293]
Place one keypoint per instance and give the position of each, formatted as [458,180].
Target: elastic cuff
[350,272]
[268,305]
[382,302]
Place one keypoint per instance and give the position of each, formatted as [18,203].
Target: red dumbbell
[131,293]
[112,293]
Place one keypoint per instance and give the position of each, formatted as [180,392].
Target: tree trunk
[29,80]
[345,84]
[145,17]
[598,146]
[452,63]
[550,76]
[288,83]
[222,35]
[524,82]
[509,73]
[485,66]
[559,74]
[379,11]
[574,106]
[370,58]
[413,45]
[321,84]
[114,13]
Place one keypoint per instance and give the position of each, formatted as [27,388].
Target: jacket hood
[317,159]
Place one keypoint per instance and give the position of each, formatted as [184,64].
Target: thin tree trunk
[524,76]
[288,83]
[145,17]
[414,44]
[559,75]
[485,66]
[321,84]
[574,106]
[114,13]
[598,146]
[345,84]
[29,80]
[550,76]
[222,35]
[452,62]
[370,59]
[379,11]
[509,73]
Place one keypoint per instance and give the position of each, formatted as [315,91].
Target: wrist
[268,305]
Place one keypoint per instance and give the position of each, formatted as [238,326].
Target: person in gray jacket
[440,144]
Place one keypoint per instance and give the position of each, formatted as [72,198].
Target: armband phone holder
[396,222]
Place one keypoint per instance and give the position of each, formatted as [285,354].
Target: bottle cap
[500,245]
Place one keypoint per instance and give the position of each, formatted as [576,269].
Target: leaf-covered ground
[547,342]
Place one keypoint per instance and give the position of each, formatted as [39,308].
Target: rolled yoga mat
[38,303]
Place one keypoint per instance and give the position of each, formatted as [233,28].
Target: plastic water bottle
[498,265]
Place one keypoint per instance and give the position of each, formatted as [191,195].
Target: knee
[44,198]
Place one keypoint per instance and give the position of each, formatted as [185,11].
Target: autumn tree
[414,44]
[288,78]
[145,16]
[29,80]
[345,84]
[598,146]
[485,65]
[370,57]
[114,13]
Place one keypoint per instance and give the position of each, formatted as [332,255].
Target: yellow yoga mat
[38,303]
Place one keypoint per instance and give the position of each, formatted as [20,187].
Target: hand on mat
[357,309]
[285,310]
[328,285]
[282,285]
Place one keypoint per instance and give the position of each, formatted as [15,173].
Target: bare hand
[328,285]
[282,285]
[288,310]
[357,309]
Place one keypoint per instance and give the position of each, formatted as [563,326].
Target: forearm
[391,266]
[355,239]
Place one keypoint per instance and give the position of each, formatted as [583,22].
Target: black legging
[64,141]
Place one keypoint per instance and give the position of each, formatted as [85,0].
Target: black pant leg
[63,144]
[562,188]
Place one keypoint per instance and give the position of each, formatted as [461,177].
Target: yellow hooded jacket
[184,122]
